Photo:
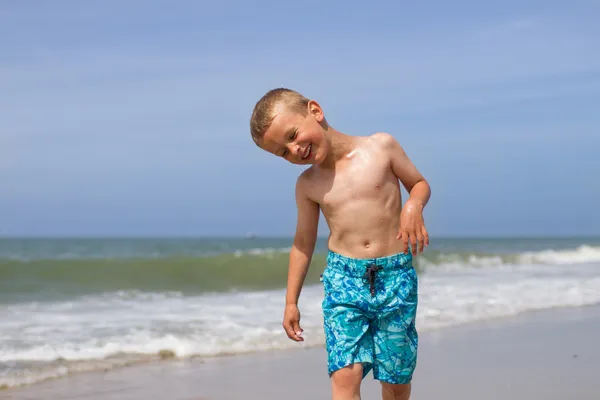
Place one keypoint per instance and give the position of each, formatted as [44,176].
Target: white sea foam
[38,339]
[269,251]
[580,255]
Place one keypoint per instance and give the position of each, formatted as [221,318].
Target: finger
[400,233]
[420,243]
[404,239]
[298,331]
[287,326]
[292,334]
[413,243]
[425,235]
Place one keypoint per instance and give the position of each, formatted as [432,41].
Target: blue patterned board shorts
[369,311]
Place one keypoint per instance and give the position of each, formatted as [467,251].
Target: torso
[360,201]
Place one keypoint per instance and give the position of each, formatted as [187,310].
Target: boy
[370,284]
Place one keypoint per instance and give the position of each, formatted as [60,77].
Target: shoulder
[384,140]
[304,180]
[385,144]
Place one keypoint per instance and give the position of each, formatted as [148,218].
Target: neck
[340,145]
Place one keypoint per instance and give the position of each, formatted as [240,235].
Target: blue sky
[131,118]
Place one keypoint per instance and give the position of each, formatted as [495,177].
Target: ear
[316,111]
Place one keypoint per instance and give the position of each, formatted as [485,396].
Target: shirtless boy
[370,284]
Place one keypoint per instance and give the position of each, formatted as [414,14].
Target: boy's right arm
[300,257]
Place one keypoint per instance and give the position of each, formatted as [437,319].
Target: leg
[345,382]
[395,392]
[349,346]
[396,338]
[348,338]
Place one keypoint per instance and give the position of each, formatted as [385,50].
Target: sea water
[69,305]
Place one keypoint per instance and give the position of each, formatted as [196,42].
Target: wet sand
[548,355]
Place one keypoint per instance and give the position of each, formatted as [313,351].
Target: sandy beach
[547,355]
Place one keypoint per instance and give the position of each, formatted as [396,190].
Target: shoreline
[531,352]
[166,357]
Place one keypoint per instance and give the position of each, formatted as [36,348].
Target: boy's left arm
[412,225]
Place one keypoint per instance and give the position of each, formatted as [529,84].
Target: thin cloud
[105,94]
[128,83]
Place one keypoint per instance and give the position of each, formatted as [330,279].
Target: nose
[295,149]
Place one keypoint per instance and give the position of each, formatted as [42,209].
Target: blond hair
[264,110]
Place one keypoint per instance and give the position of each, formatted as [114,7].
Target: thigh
[395,335]
[348,337]
[395,351]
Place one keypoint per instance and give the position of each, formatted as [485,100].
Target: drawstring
[370,275]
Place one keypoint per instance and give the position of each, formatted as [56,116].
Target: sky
[132,118]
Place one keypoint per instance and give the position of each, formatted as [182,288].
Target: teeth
[307,151]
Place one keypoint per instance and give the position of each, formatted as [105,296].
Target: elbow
[420,185]
[426,185]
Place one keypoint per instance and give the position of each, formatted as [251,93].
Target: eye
[294,134]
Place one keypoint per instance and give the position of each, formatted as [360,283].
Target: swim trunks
[369,310]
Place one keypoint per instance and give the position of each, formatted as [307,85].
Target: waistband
[358,266]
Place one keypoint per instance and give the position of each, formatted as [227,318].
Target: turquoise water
[52,269]
[70,305]
[83,248]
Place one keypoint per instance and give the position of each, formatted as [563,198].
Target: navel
[367,244]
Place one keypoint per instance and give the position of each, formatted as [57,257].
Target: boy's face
[297,138]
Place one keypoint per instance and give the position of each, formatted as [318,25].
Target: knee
[397,392]
[348,377]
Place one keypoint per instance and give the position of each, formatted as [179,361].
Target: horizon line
[272,236]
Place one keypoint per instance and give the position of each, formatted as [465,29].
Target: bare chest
[361,179]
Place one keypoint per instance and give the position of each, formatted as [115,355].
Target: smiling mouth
[307,151]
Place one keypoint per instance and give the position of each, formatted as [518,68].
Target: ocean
[71,305]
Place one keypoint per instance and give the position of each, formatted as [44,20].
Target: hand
[291,322]
[412,228]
